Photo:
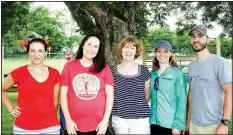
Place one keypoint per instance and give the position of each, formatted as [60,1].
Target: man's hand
[186,127]
[221,129]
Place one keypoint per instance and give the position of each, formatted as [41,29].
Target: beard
[203,46]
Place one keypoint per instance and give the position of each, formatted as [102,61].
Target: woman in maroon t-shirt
[38,90]
[87,89]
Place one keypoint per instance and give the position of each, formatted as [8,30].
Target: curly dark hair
[99,60]
[38,40]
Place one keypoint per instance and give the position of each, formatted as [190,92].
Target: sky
[60,6]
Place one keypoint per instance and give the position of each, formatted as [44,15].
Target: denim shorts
[49,130]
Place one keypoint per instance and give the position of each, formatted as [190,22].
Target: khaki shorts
[194,129]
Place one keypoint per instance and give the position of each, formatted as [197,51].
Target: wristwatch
[226,122]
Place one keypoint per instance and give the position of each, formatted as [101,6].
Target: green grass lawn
[11,64]
[230,128]
[7,119]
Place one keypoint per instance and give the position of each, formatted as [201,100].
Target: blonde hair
[133,41]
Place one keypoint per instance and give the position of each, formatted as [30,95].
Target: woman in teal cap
[168,93]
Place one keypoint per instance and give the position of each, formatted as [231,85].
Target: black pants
[156,129]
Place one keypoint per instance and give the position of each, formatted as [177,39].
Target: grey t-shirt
[206,79]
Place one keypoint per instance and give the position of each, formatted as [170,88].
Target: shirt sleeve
[224,72]
[145,73]
[112,69]
[108,77]
[65,75]
[181,101]
[152,74]
[57,76]
[16,75]
[188,75]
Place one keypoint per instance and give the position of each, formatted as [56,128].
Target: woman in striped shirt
[130,114]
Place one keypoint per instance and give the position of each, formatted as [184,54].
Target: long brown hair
[156,63]
[99,60]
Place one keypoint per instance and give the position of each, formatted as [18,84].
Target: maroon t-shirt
[86,94]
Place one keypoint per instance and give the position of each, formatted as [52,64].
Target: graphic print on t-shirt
[197,78]
[86,86]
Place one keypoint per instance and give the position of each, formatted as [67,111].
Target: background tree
[40,22]
[211,11]
[226,47]
[20,19]
[114,20]
[155,35]
[220,12]
[13,15]
[180,43]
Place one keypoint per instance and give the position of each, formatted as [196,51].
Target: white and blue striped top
[129,94]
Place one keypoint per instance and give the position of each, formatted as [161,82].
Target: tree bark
[111,28]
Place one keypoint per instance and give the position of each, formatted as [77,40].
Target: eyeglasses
[156,83]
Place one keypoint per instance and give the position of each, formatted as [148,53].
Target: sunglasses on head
[156,83]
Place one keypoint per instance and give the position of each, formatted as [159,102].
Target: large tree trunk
[111,28]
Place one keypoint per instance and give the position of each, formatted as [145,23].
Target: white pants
[50,130]
[130,126]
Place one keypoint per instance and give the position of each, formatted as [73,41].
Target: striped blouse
[129,94]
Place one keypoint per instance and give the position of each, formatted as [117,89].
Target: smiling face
[91,47]
[198,41]
[36,53]
[163,55]
[129,52]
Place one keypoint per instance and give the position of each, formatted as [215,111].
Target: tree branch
[80,15]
